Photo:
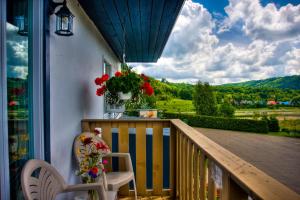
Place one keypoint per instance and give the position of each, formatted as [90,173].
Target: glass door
[19,91]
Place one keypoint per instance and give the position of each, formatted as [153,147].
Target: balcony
[173,161]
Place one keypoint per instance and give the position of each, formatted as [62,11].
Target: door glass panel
[18,92]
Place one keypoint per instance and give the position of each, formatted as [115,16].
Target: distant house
[285,103]
[271,103]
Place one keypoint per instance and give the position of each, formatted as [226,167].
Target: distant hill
[286,82]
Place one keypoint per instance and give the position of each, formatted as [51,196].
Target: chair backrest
[41,181]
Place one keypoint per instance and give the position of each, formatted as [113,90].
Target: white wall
[74,64]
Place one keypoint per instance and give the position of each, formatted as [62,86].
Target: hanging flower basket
[125,87]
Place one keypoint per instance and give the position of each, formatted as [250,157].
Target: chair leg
[134,187]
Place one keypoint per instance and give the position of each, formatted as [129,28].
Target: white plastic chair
[41,181]
[113,180]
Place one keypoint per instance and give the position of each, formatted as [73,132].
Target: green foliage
[176,105]
[257,126]
[272,122]
[186,94]
[204,99]
[226,110]
[287,82]
[296,101]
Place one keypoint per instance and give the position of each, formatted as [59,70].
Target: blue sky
[222,41]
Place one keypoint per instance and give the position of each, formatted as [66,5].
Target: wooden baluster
[236,192]
[203,171]
[191,171]
[225,185]
[178,140]
[141,180]
[196,173]
[123,148]
[173,160]
[181,166]
[157,158]
[211,183]
[107,137]
[185,174]
[188,165]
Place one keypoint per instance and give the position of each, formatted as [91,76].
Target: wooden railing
[194,161]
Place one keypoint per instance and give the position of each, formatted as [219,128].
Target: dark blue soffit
[147,25]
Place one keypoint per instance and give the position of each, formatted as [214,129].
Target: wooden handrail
[250,179]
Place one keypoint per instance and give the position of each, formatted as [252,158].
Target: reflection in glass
[18,92]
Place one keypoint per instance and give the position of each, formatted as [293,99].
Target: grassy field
[176,105]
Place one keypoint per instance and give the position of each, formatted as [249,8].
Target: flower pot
[124,96]
[115,108]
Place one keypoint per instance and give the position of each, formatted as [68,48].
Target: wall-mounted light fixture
[20,9]
[22,24]
[64,19]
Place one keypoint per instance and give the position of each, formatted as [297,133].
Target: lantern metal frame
[62,14]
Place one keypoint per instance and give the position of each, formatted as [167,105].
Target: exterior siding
[74,63]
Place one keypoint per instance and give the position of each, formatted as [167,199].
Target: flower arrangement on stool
[91,151]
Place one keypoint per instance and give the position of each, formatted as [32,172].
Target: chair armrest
[127,158]
[89,186]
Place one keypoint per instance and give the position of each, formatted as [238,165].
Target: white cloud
[268,23]
[293,61]
[196,51]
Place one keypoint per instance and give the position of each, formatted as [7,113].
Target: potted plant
[125,86]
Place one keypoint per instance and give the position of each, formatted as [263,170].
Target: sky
[225,41]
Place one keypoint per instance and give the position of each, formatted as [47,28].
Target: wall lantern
[64,19]
[22,24]
[20,12]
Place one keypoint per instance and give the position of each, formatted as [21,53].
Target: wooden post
[211,183]
[157,158]
[202,176]
[141,180]
[173,162]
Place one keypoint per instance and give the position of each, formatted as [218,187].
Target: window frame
[36,60]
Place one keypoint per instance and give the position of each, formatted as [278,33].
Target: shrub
[226,110]
[273,124]
[249,125]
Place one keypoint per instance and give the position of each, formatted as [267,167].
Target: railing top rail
[249,177]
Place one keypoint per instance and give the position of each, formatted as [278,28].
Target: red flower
[94,170]
[87,140]
[147,88]
[146,85]
[13,103]
[105,77]
[146,78]
[118,74]
[105,162]
[99,81]
[149,91]
[101,146]
[97,132]
[100,91]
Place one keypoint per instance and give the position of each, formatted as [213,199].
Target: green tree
[295,101]
[185,94]
[204,99]
[226,110]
